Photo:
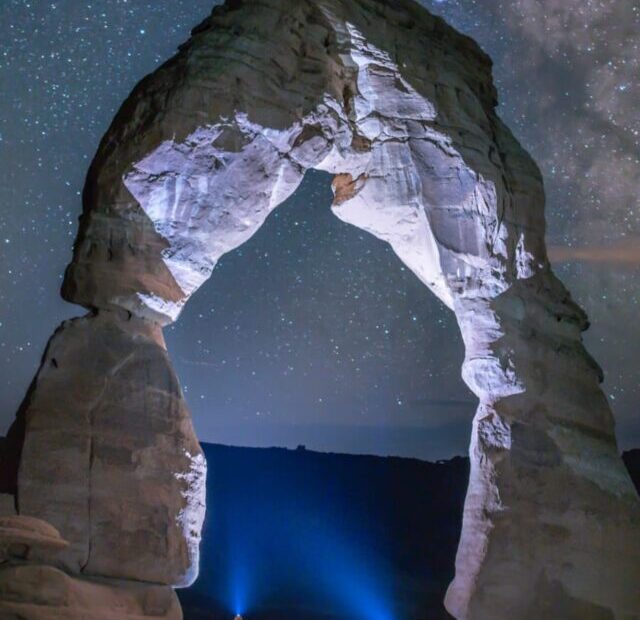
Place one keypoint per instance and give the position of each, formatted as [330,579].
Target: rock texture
[401,108]
[32,588]
[7,505]
[108,412]
[28,538]
[30,592]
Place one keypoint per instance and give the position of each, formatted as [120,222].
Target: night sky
[312,332]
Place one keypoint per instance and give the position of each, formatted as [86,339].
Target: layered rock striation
[32,587]
[401,109]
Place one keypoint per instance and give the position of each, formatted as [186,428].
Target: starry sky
[312,332]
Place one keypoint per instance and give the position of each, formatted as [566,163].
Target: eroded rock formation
[401,109]
[32,587]
[108,413]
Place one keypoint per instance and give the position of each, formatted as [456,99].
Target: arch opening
[314,333]
[346,381]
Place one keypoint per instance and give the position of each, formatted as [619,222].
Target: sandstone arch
[401,109]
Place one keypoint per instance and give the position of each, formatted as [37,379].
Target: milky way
[312,332]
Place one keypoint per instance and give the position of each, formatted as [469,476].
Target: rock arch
[401,109]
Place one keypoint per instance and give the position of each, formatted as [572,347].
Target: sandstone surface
[123,469]
[32,586]
[31,592]
[28,538]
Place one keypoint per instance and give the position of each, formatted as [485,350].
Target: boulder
[29,592]
[28,538]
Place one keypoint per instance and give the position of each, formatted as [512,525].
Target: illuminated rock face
[401,108]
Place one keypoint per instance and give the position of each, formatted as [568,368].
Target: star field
[312,332]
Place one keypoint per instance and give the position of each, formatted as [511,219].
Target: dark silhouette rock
[632,462]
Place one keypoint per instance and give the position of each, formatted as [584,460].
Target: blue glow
[238,589]
[322,536]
